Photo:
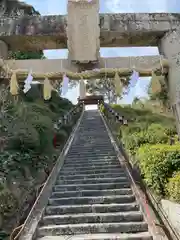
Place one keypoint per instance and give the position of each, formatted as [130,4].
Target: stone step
[91,167]
[92,200]
[92,218]
[89,193]
[91,171]
[100,186]
[70,229]
[92,151]
[103,236]
[95,147]
[89,208]
[94,143]
[92,180]
[90,161]
[93,176]
[93,157]
[91,154]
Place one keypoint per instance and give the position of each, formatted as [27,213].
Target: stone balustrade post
[3,50]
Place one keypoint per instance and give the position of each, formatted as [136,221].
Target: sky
[59,7]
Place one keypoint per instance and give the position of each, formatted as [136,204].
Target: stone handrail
[69,115]
[113,117]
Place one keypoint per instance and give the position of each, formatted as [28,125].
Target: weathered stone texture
[34,33]
[140,62]
[83,31]
[49,32]
[3,50]
[169,46]
[173,213]
[43,66]
[56,65]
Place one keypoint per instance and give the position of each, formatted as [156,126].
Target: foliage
[148,137]
[14,164]
[27,55]
[136,136]
[28,126]
[173,187]
[105,87]
[161,96]
[23,136]
[157,164]
[61,135]
[8,203]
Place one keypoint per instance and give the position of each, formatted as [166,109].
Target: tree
[16,8]
[105,87]
[27,55]
[162,97]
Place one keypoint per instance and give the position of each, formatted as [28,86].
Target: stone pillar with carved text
[169,46]
[83,30]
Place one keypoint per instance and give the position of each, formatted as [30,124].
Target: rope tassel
[14,84]
[47,89]
[118,84]
[156,85]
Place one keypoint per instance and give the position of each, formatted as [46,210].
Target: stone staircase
[92,197]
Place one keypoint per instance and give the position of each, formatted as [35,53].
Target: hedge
[173,187]
[155,133]
[147,137]
[158,163]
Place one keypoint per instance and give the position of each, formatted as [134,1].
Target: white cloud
[119,6]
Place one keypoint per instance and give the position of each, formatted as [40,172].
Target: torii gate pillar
[169,46]
[83,30]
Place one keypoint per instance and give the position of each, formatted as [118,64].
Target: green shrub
[157,164]
[8,203]
[13,163]
[68,127]
[133,127]
[40,122]
[156,134]
[61,136]
[173,187]
[44,126]
[134,141]
[23,136]
[41,109]
[170,130]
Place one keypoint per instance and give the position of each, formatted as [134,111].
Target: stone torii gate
[83,31]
